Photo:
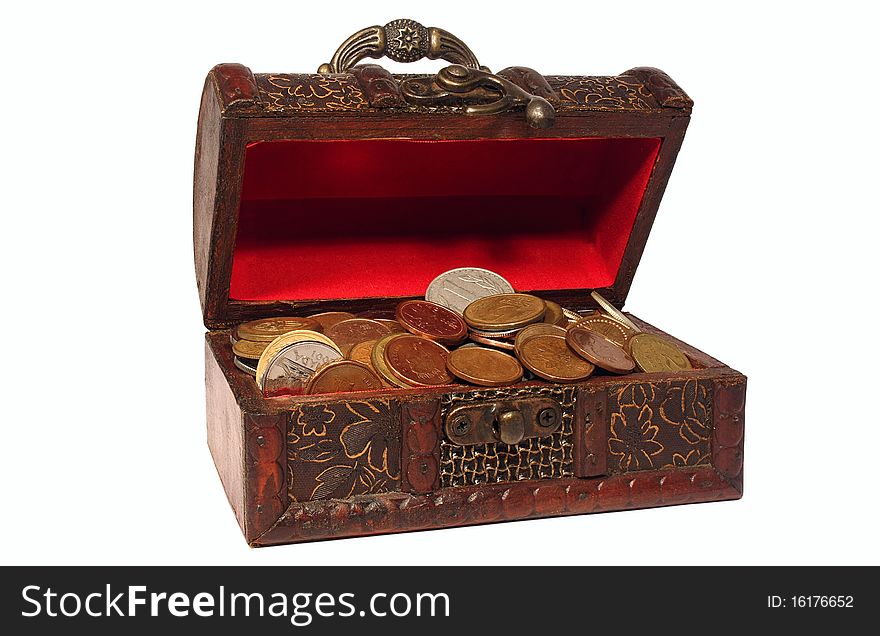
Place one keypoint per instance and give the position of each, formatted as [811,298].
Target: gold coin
[655,354]
[554,315]
[292,337]
[614,312]
[249,349]
[484,367]
[608,327]
[362,351]
[377,358]
[267,329]
[329,318]
[537,329]
[503,312]
[551,358]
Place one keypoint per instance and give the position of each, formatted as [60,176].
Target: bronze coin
[343,376]
[417,361]
[599,350]
[393,325]
[502,312]
[484,367]
[347,333]
[329,318]
[431,321]
[249,349]
[654,354]
[607,326]
[554,314]
[267,329]
[550,358]
[537,329]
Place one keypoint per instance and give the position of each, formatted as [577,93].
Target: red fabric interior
[383,217]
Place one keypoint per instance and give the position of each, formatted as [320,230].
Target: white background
[763,254]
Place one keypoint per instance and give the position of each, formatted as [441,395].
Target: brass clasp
[506,421]
[481,92]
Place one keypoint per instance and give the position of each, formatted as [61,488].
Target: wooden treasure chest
[339,195]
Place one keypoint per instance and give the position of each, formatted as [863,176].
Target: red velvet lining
[383,217]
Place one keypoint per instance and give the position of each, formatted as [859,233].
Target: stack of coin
[512,336]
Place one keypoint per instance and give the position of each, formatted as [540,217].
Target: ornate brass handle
[403,41]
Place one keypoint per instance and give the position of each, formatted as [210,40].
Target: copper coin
[267,329]
[554,314]
[656,354]
[498,343]
[393,325]
[550,358]
[417,361]
[599,350]
[537,329]
[504,311]
[249,349]
[348,333]
[343,376]
[485,367]
[377,358]
[615,331]
[329,318]
[431,321]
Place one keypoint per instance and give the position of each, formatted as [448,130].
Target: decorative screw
[261,441]
[461,425]
[547,417]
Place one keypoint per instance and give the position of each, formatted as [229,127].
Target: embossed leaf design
[324,450]
[686,406]
[372,436]
[693,458]
[336,482]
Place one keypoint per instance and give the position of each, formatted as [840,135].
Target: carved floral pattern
[602,93]
[312,92]
[660,425]
[342,449]
[334,93]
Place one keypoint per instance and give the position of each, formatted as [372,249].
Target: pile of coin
[472,328]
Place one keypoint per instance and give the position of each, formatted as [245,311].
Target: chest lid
[353,188]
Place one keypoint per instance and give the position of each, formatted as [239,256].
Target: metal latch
[505,421]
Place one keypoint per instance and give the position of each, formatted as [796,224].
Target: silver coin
[248,366]
[458,288]
[294,364]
